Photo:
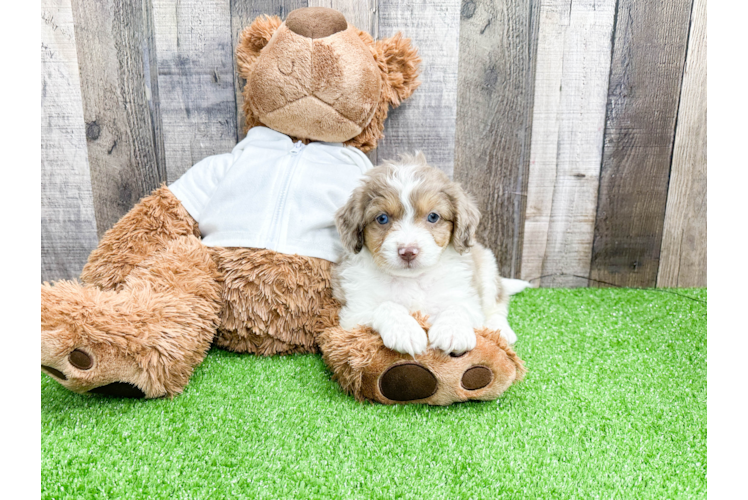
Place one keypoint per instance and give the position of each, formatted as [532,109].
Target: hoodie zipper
[293,161]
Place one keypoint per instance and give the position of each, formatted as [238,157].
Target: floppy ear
[252,40]
[399,61]
[466,218]
[350,222]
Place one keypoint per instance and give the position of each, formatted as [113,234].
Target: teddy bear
[238,252]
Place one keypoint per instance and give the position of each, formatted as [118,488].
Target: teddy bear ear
[252,40]
[400,62]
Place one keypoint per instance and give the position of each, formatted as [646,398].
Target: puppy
[409,239]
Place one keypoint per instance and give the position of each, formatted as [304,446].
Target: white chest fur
[449,282]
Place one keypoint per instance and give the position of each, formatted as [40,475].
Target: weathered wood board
[426,121]
[683,255]
[579,125]
[649,52]
[119,87]
[569,115]
[195,80]
[494,115]
[68,224]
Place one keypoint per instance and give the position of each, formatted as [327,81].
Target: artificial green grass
[613,406]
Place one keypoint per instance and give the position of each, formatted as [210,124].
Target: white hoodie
[270,192]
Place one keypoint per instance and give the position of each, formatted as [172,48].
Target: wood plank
[363,15]
[554,23]
[683,254]
[426,121]
[649,51]
[68,224]
[498,44]
[574,57]
[195,80]
[116,59]
[242,15]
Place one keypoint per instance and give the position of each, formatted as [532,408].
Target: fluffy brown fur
[151,333]
[144,230]
[358,359]
[273,303]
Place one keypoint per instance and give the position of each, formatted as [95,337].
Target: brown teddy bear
[238,252]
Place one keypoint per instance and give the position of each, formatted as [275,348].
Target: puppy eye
[383,219]
[433,217]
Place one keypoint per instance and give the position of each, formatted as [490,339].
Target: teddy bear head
[316,77]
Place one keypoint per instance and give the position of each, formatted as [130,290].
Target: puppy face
[406,214]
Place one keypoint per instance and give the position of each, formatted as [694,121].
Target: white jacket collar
[271,139]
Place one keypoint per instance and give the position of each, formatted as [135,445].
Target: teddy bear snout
[316,22]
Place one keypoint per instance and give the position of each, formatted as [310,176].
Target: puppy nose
[408,253]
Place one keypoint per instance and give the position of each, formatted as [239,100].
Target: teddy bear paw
[93,369]
[76,352]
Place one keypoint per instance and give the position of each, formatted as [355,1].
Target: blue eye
[433,217]
[383,219]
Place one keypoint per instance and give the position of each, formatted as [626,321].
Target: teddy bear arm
[145,230]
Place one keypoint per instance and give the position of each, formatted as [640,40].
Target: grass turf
[614,406]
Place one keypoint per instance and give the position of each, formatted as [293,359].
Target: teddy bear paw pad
[80,360]
[120,390]
[476,378]
[407,382]
[54,372]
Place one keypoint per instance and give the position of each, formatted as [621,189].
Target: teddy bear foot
[93,369]
[365,368]
[142,340]
[78,350]
[133,343]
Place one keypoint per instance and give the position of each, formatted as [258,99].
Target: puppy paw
[509,334]
[498,322]
[452,336]
[405,336]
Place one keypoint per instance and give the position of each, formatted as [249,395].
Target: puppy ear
[420,159]
[350,222]
[252,40]
[399,62]
[466,218]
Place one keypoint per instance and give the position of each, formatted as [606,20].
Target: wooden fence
[579,125]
